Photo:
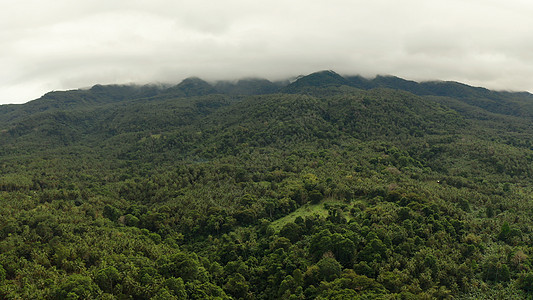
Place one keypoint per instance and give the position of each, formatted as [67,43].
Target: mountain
[509,103]
[360,82]
[498,102]
[250,86]
[318,79]
[326,187]
[191,87]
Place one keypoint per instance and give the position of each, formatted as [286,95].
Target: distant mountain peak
[509,103]
[247,86]
[317,79]
[192,86]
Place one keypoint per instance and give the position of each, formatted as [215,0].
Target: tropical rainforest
[322,187]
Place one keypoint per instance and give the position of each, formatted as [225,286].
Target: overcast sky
[64,44]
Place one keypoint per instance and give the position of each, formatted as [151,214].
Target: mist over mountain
[510,102]
[321,187]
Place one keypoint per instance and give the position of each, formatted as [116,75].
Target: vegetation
[329,187]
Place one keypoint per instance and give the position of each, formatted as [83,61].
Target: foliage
[340,188]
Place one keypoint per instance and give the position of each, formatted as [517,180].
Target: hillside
[327,187]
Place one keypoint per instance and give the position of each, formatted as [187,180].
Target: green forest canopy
[328,187]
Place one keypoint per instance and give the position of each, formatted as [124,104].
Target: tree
[291,231]
[2,274]
[525,282]
[177,287]
[107,278]
[111,212]
[237,286]
[374,250]
[77,287]
[328,268]
[179,265]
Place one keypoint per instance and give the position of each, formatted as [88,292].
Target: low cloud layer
[63,44]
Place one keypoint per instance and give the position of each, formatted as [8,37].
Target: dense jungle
[321,187]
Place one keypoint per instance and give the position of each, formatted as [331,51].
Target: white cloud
[62,44]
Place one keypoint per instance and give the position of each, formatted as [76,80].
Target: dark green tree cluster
[334,188]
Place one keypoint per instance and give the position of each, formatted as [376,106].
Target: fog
[61,44]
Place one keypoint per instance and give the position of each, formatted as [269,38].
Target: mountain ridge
[197,97]
[320,78]
[326,187]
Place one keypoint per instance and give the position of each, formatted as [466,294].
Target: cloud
[62,44]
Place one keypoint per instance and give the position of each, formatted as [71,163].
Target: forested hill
[509,103]
[324,187]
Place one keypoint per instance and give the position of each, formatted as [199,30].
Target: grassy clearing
[309,210]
